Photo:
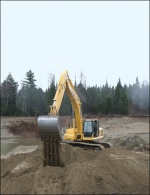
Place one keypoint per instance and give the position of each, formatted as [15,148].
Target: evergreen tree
[124,102]
[145,98]
[75,84]
[50,95]
[29,87]
[66,107]
[8,96]
[106,89]
[125,88]
[136,93]
[132,99]
[118,91]
[120,107]
[40,102]
[103,107]
[109,104]
[29,80]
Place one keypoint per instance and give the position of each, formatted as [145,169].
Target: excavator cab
[91,128]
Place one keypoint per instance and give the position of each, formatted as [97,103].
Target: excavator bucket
[50,128]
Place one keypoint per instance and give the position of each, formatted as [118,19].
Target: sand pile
[82,172]
[128,142]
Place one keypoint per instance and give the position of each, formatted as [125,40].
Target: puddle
[8,145]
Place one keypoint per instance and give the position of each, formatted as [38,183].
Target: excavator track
[88,145]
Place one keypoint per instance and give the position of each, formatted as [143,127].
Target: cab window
[87,129]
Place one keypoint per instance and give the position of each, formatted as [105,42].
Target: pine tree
[120,107]
[125,88]
[117,94]
[103,107]
[8,96]
[145,98]
[66,107]
[50,95]
[29,80]
[29,87]
[124,102]
[109,104]
[75,84]
[107,89]
[39,102]
[136,93]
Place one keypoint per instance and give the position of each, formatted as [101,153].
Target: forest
[31,100]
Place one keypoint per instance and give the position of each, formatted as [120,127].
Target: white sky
[105,40]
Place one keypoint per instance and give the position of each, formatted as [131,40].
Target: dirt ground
[122,169]
[13,127]
[82,172]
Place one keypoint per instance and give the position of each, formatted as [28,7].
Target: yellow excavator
[84,134]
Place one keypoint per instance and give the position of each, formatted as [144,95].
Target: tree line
[31,100]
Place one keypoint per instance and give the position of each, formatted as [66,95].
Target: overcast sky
[105,40]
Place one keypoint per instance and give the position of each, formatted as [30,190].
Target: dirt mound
[83,172]
[24,129]
[128,142]
[134,140]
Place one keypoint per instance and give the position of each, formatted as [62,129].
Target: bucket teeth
[44,153]
[55,153]
[47,152]
[50,150]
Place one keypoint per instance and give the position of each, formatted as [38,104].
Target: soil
[24,129]
[19,127]
[82,172]
[121,169]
